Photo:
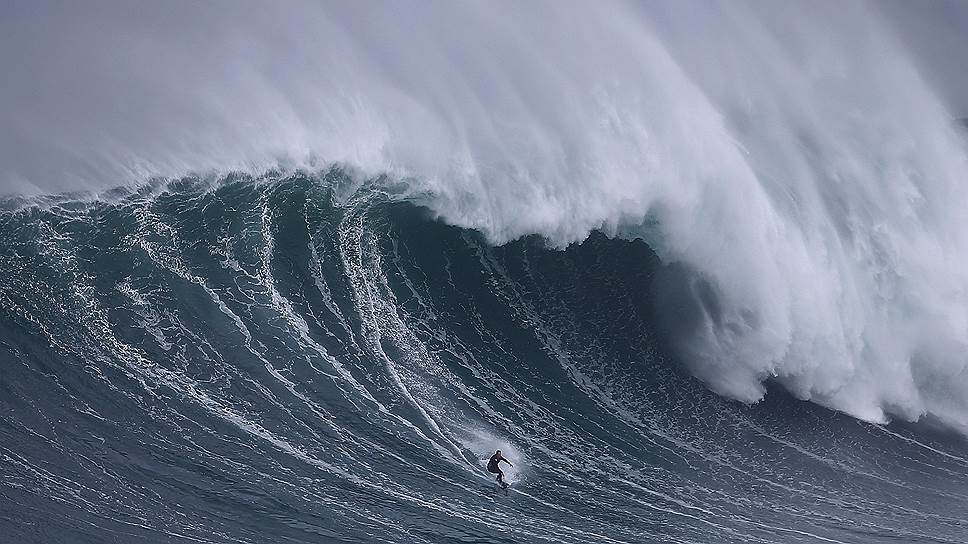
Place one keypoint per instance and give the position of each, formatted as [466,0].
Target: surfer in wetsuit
[493,466]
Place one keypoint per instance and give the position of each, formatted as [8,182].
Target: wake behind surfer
[493,466]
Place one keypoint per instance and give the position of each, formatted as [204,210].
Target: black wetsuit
[493,466]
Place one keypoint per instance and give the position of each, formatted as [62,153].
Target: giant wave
[809,178]
[292,272]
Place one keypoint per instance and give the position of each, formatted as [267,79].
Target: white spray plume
[792,158]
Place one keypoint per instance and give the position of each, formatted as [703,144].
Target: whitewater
[699,270]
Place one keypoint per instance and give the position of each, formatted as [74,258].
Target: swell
[312,357]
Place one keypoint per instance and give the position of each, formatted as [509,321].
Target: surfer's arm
[506,461]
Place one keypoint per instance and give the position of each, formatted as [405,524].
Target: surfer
[493,466]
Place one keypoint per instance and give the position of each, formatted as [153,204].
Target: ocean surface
[291,272]
[308,358]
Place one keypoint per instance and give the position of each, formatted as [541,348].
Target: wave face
[313,359]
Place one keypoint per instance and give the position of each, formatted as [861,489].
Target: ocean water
[309,358]
[290,272]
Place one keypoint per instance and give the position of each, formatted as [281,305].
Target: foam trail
[791,164]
